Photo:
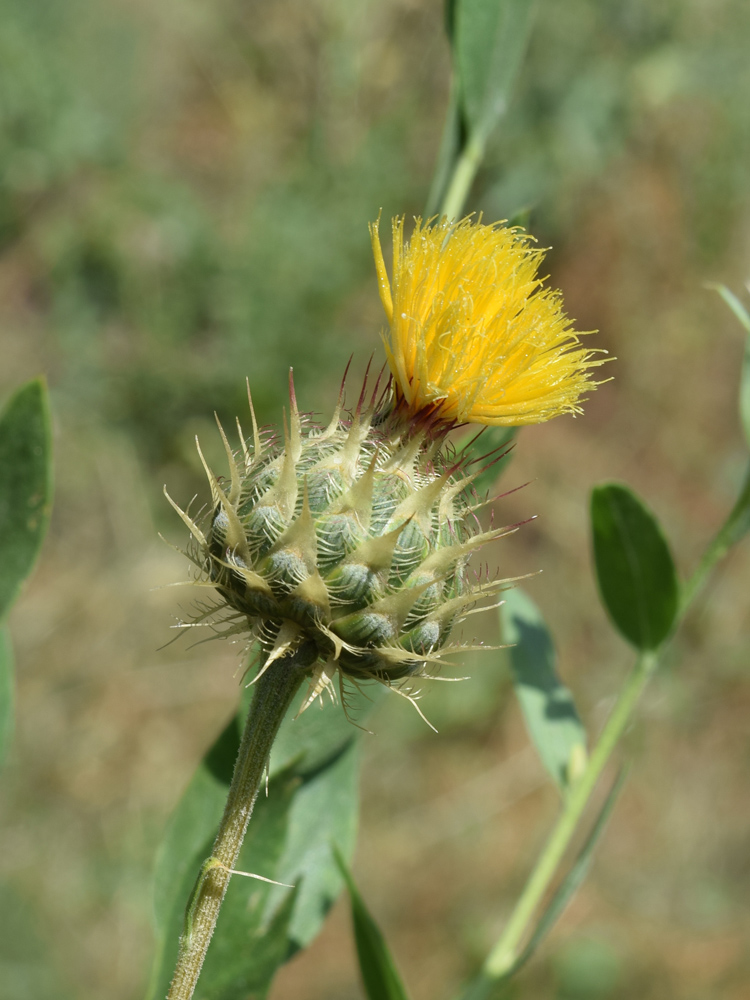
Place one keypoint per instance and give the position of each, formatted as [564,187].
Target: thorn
[412,699]
[363,391]
[195,531]
[245,452]
[235,538]
[257,443]
[296,424]
[234,475]
[215,863]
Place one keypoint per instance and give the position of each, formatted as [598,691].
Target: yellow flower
[473,334]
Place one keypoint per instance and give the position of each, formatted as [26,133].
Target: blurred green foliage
[189,190]
[184,195]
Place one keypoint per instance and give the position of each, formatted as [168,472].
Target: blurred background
[184,194]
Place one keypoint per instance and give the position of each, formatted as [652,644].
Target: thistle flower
[474,337]
[353,540]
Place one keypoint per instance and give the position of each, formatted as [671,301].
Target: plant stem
[273,695]
[735,526]
[503,956]
[464,172]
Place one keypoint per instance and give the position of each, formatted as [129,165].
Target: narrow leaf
[734,304]
[490,38]
[743,316]
[6,691]
[635,570]
[548,708]
[25,486]
[379,974]
[737,524]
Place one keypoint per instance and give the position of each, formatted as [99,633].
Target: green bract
[354,538]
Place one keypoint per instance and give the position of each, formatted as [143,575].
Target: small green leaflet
[634,567]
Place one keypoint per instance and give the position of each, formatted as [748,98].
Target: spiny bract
[354,537]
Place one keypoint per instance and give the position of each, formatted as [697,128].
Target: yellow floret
[473,334]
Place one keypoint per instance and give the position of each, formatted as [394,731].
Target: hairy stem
[273,695]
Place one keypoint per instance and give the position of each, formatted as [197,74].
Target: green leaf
[635,570]
[490,38]
[492,449]
[324,811]
[548,708]
[7,694]
[379,974]
[25,486]
[312,801]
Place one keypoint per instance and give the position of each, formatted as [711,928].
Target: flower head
[473,335]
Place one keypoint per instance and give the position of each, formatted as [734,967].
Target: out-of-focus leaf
[489,39]
[25,486]
[379,974]
[737,524]
[6,691]
[743,316]
[635,570]
[492,449]
[312,801]
[548,708]
[29,967]
[734,304]
[450,147]
[324,811]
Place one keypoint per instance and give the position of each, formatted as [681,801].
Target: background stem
[274,692]
[503,956]
[464,172]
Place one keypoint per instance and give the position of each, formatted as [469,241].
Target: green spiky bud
[354,537]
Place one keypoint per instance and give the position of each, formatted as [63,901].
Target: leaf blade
[549,711]
[634,566]
[489,38]
[25,486]
[380,976]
